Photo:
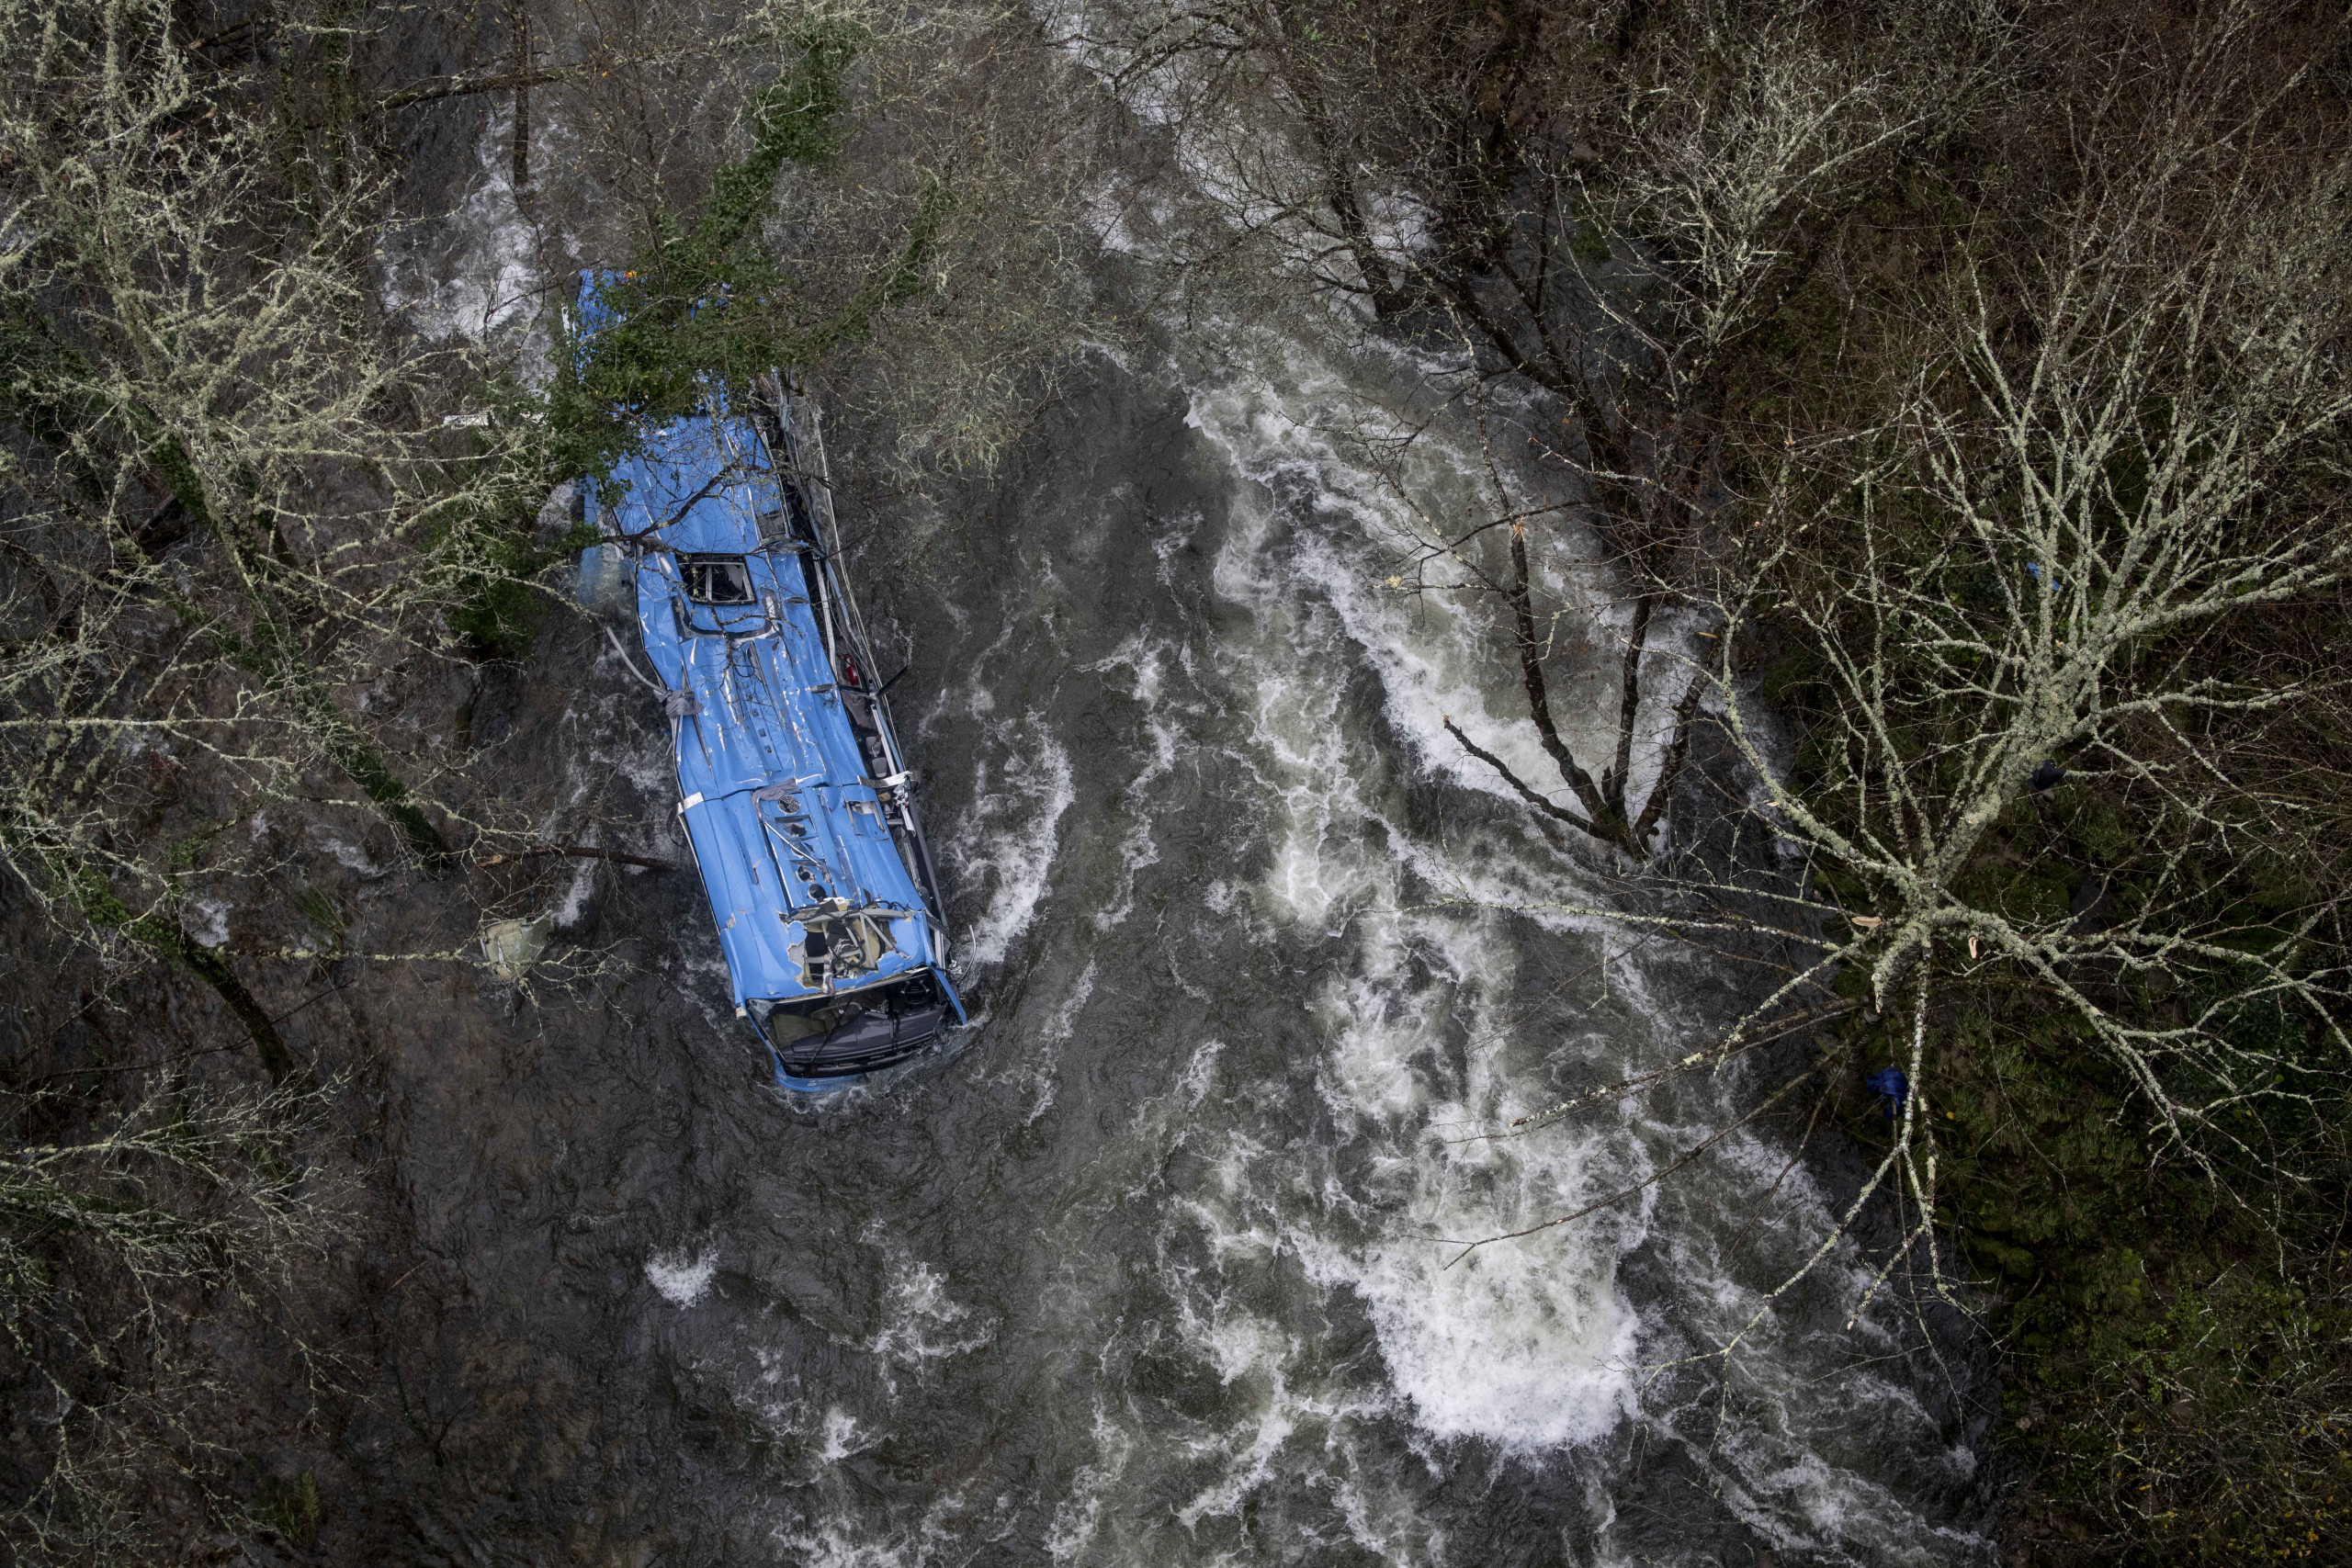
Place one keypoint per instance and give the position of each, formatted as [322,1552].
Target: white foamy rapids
[921,1323]
[1080,1513]
[680,1277]
[1799,1471]
[206,920]
[1289,1414]
[851,1540]
[1146,658]
[1530,1346]
[1040,1070]
[486,284]
[1006,843]
[575,902]
[1438,656]
[1257,176]
[840,1435]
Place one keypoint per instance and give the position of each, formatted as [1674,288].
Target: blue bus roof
[788,824]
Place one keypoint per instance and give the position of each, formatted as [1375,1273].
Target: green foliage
[291,1508]
[701,304]
[497,609]
[2098,827]
[795,120]
[2215,1423]
[1786,677]
[321,910]
[2179,1371]
[705,303]
[106,912]
[2178,1377]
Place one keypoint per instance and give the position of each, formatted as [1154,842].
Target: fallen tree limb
[584,851]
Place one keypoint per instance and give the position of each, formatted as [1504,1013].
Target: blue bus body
[793,790]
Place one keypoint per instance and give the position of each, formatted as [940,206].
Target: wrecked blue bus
[792,790]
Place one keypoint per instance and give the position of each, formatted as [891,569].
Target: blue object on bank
[1892,1089]
[794,796]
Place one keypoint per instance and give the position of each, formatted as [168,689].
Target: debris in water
[511,947]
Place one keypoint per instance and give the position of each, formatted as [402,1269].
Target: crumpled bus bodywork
[793,790]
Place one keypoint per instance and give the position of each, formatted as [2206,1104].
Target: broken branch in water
[582,850]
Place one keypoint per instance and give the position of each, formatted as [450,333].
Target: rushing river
[1155,1271]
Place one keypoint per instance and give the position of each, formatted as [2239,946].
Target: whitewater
[1165,1266]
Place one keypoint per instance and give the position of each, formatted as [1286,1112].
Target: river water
[1155,1270]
